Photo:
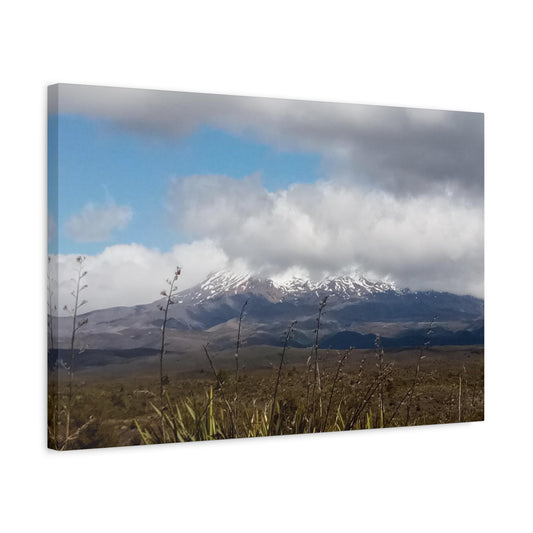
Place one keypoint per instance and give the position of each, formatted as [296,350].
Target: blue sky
[103,164]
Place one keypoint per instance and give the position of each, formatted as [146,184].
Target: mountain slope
[357,309]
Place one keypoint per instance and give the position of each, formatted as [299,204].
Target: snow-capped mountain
[229,284]
[344,287]
[357,310]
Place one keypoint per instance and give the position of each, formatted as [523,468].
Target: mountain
[294,289]
[357,310]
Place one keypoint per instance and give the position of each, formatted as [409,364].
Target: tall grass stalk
[221,388]
[51,307]
[237,350]
[369,393]
[307,386]
[169,295]
[340,364]
[53,379]
[379,355]
[459,399]
[76,325]
[410,391]
[316,370]
[288,335]
[421,355]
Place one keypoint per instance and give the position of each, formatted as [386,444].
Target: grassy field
[120,404]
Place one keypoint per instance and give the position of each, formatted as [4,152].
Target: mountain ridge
[226,282]
[357,310]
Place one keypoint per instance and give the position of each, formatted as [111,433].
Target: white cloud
[96,222]
[422,242]
[130,274]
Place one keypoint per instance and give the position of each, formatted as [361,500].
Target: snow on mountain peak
[344,286]
[225,282]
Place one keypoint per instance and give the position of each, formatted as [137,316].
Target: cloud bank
[401,198]
[422,242]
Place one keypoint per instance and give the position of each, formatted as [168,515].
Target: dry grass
[121,406]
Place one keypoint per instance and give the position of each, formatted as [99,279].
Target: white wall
[451,55]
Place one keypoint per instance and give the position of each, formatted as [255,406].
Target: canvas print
[228,267]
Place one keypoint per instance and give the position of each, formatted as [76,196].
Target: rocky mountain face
[357,310]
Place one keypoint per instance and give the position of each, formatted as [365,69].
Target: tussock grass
[296,403]
[121,404]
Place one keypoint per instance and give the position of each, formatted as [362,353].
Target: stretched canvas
[228,267]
